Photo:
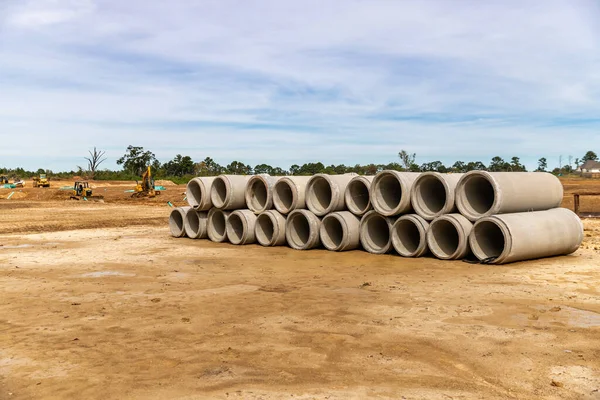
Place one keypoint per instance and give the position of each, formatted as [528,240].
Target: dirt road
[115,308]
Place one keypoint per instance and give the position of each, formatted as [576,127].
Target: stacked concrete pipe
[390,192]
[196,224]
[177,221]
[505,238]
[448,237]
[409,236]
[482,194]
[325,193]
[432,194]
[269,228]
[240,227]
[198,194]
[289,193]
[340,231]
[302,230]
[259,192]
[217,225]
[375,232]
[357,196]
[228,192]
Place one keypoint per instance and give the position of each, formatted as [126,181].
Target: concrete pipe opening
[431,195]
[375,233]
[176,223]
[284,196]
[195,224]
[319,195]
[408,237]
[444,239]
[194,193]
[476,195]
[265,229]
[357,197]
[299,230]
[217,225]
[258,195]
[332,233]
[488,240]
[236,228]
[388,192]
[219,192]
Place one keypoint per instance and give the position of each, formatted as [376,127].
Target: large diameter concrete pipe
[259,192]
[198,191]
[507,238]
[325,193]
[448,237]
[302,230]
[269,228]
[289,193]
[228,192]
[240,227]
[375,232]
[357,197]
[340,231]
[390,192]
[217,225]
[409,235]
[196,224]
[177,221]
[481,194]
[432,194]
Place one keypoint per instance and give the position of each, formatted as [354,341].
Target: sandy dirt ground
[97,301]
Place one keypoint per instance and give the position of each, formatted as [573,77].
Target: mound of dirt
[18,195]
[164,182]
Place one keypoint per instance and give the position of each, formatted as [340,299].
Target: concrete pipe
[177,221]
[289,193]
[325,193]
[390,192]
[228,192]
[448,237]
[269,228]
[198,193]
[409,236]
[302,230]
[432,194]
[217,225]
[240,227]
[375,234]
[505,238]
[196,224]
[259,192]
[481,194]
[340,231]
[357,197]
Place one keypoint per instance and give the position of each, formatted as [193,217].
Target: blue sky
[283,82]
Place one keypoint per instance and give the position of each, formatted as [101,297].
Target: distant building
[590,167]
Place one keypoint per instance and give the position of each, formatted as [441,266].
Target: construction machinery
[82,190]
[145,187]
[3,179]
[41,181]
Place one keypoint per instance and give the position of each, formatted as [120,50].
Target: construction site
[100,300]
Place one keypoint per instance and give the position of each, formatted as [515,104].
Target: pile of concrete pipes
[497,217]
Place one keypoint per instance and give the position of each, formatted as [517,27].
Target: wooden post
[576,203]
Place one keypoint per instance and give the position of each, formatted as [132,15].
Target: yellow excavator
[145,187]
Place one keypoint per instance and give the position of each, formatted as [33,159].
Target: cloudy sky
[284,82]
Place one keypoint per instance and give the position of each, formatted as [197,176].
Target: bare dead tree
[407,159]
[94,161]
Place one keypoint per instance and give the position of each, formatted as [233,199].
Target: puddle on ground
[565,316]
[98,274]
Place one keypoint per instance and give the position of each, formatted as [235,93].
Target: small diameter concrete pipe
[448,237]
[269,228]
[240,227]
[217,225]
[375,232]
[198,193]
[525,236]
[390,192]
[433,194]
[302,230]
[196,224]
[340,231]
[177,221]
[229,192]
[357,197]
[259,192]
[289,193]
[409,236]
[325,193]
[481,194]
